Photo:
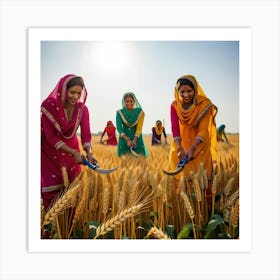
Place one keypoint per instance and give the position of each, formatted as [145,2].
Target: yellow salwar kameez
[196,121]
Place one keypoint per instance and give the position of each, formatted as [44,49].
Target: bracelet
[195,146]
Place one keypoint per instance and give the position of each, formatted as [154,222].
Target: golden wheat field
[138,201]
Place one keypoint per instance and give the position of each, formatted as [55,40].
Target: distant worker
[110,130]
[221,133]
[129,121]
[158,130]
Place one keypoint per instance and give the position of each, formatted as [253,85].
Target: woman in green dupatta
[129,122]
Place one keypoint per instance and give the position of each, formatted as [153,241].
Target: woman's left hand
[133,143]
[91,158]
[190,153]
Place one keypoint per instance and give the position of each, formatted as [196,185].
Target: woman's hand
[190,152]
[129,143]
[91,158]
[181,153]
[133,143]
[77,156]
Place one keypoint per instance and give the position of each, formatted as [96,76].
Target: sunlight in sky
[150,70]
[111,57]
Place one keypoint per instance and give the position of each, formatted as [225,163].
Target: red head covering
[110,128]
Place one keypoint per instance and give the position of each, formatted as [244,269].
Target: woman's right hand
[181,153]
[129,143]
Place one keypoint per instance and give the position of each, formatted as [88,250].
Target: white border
[243,35]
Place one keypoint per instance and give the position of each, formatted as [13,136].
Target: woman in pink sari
[62,113]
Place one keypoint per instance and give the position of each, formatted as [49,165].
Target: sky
[150,69]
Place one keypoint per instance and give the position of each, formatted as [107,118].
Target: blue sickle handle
[90,165]
[183,162]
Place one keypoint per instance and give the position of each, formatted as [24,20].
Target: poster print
[138,202]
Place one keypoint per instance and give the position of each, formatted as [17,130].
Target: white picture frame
[242,35]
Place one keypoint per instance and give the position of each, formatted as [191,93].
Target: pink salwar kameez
[56,130]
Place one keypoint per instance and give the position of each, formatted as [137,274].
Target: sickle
[174,172]
[179,168]
[102,142]
[96,167]
[133,152]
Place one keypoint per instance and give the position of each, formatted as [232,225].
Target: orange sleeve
[203,126]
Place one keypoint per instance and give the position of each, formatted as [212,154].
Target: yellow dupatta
[158,130]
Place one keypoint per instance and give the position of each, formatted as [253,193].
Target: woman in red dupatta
[110,130]
[193,127]
[62,113]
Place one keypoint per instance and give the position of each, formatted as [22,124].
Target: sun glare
[112,56]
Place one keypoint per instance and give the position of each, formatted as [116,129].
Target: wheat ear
[189,209]
[214,190]
[158,233]
[234,217]
[60,205]
[118,220]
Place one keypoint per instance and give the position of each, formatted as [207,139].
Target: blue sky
[150,70]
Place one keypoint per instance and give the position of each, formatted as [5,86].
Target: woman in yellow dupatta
[193,127]
[157,130]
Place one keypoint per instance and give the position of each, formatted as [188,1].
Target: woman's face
[129,103]
[73,94]
[187,94]
[159,124]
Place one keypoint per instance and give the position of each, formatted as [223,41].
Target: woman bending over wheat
[193,127]
[62,113]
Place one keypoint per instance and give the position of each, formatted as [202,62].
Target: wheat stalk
[235,214]
[214,190]
[60,205]
[65,176]
[232,198]
[229,186]
[196,187]
[43,213]
[234,217]
[106,198]
[189,209]
[118,220]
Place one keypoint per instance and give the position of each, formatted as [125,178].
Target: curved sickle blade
[101,142]
[97,168]
[172,173]
[180,167]
[134,153]
[105,171]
